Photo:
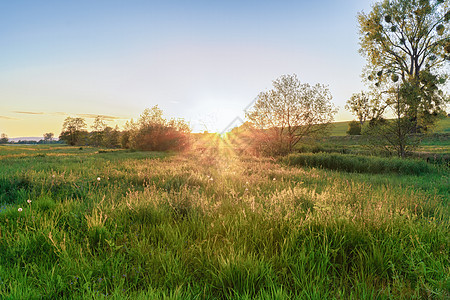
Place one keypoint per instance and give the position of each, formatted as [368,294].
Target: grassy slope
[215,226]
[340,128]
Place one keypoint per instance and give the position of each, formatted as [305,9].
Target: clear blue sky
[204,61]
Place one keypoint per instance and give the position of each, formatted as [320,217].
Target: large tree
[407,42]
[73,130]
[291,111]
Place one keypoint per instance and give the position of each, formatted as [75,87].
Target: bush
[360,164]
[154,133]
[354,128]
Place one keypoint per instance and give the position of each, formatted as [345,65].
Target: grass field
[146,225]
[435,145]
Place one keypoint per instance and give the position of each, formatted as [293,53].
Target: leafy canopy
[292,110]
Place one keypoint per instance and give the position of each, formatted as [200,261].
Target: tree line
[150,132]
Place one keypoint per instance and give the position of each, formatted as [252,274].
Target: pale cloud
[28,112]
[93,116]
[8,118]
[59,113]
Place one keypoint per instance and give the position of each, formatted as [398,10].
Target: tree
[73,130]
[110,137]
[363,107]
[48,137]
[153,132]
[98,127]
[4,138]
[291,111]
[395,135]
[407,41]
[354,128]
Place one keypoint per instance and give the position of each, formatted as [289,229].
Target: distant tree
[74,129]
[111,137]
[407,42]
[126,135]
[364,107]
[4,138]
[48,137]
[291,111]
[98,127]
[354,128]
[153,132]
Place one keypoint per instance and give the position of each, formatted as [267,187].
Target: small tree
[397,135]
[364,107]
[153,132]
[111,137]
[126,136]
[290,112]
[98,127]
[4,138]
[74,129]
[48,137]
[354,128]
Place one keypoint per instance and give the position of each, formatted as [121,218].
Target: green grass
[191,226]
[339,128]
[360,164]
[443,125]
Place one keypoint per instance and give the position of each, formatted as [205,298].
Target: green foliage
[354,128]
[3,138]
[405,46]
[290,112]
[362,107]
[74,131]
[154,133]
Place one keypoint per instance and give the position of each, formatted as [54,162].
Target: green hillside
[340,128]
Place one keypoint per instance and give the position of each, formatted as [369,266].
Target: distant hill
[27,138]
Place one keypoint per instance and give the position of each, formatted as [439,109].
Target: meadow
[87,223]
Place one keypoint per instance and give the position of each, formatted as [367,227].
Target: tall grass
[361,164]
[217,227]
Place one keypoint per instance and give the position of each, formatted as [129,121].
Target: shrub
[154,133]
[354,128]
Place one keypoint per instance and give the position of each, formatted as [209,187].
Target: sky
[204,61]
